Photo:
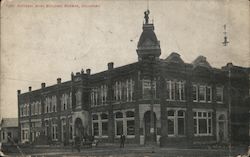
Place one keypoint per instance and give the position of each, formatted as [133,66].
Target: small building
[9,130]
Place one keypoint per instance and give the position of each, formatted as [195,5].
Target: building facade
[154,100]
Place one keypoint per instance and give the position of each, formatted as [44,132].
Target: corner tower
[148,46]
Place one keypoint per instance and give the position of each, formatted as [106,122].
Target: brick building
[154,100]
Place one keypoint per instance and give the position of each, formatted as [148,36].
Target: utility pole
[225,43]
[229,110]
[152,118]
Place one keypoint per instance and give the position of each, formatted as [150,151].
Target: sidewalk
[129,150]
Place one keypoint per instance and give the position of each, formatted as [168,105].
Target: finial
[146,17]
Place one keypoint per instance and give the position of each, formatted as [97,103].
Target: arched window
[119,115]
[130,114]
[171,113]
[104,116]
[95,117]
[222,117]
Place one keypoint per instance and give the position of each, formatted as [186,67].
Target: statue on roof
[146,13]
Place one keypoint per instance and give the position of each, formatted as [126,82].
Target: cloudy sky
[40,44]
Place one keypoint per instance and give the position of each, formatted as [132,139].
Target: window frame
[175,119]
[209,122]
[221,94]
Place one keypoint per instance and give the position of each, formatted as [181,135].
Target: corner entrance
[79,129]
[150,133]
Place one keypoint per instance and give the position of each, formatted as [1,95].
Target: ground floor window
[119,128]
[70,129]
[54,132]
[95,129]
[100,124]
[124,123]
[24,132]
[3,135]
[176,122]
[63,128]
[130,127]
[202,123]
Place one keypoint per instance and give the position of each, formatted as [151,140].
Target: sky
[40,44]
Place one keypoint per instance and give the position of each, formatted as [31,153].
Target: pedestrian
[77,143]
[122,141]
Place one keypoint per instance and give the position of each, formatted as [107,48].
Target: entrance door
[79,129]
[148,130]
[221,129]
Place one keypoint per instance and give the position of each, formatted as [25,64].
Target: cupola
[148,45]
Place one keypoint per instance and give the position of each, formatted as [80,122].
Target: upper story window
[124,90]
[195,93]
[78,96]
[21,110]
[201,93]
[94,96]
[24,109]
[98,95]
[175,90]
[54,105]
[47,105]
[146,89]
[50,104]
[33,107]
[104,94]
[65,101]
[219,94]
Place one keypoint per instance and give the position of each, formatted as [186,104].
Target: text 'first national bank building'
[161,101]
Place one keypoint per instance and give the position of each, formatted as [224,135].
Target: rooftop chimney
[18,92]
[43,85]
[88,71]
[72,75]
[230,65]
[30,88]
[110,65]
[59,80]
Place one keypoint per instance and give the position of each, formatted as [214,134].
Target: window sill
[127,136]
[175,100]
[202,101]
[202,135]
[219,102]
[101,136]
[176,136]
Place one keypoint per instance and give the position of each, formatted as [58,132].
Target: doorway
[148,131]
[79,129]
[221,131]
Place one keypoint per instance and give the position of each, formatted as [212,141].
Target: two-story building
[164,101]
